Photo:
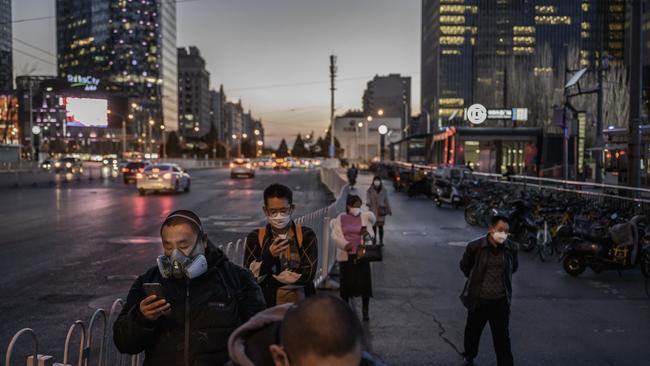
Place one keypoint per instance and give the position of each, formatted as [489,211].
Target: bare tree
[616,97]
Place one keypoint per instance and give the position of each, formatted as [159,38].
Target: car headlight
[248,166]
[232,165]
[57,164]
[68,165]
[167,176]
[139,176]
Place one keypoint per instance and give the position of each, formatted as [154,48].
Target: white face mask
[355,211]
[279,220]
[499,236]
[376,183]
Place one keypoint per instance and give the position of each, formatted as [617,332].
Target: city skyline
[383,32]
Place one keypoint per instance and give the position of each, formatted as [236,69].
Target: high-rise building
[6,60]
[128,46]
[388,96]
[194,103]
[469,46]
[233,123]
[218,112]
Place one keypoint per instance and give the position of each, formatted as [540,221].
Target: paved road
[417,318]
[67,250]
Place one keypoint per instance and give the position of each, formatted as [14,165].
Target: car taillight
[167,176]
[125,170]
[397,179]
[139,176]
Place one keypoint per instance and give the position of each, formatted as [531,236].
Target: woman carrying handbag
[377,202]
[348,232]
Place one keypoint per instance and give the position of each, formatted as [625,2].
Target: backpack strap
[261,233]
[299,234]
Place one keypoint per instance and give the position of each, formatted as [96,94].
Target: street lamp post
[151,123]
[383,130]
[164,141]
[365,155]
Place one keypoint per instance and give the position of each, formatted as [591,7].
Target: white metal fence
[96,346]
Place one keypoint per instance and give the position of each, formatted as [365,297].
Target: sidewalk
[416,317]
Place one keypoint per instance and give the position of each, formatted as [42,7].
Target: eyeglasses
[284,210]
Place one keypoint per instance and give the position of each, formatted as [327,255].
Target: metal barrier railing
[619,195]
[107,354]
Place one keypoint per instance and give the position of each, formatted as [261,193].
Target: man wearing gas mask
[488,264]
[182,311]
[283,255]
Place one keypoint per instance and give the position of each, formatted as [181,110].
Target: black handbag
[369,252]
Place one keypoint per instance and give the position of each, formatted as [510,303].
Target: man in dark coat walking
[182,311]
[488,264]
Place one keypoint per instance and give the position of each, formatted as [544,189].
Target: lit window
[553,19]
[545,9]
[617,8]
[460,9]
[451,52]
[452,19]
[616,45]
[452,102]
[446,112]
[585,6]
[519,40]
[584,34]
[449,29]
[615,26]
[452,40]
[585,25]
[542,71]
[523,50]
[519,30]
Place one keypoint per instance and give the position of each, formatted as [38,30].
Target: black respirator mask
[179,265]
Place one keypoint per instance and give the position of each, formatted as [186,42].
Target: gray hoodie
[249,344]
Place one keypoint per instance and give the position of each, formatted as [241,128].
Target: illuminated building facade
[468,45]
[194,93]
[128,46]
[6,62]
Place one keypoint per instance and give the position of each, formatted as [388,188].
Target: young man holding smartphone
[182,311]
[283,255]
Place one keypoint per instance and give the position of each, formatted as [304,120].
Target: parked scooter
[625,246]
[447,193]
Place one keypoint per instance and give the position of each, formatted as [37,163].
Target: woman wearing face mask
[488,264]
[377,201]
[348,231]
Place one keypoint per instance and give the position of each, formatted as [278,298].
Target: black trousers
[497,313]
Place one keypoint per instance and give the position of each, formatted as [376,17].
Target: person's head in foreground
[319,331]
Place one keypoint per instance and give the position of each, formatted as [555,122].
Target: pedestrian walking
[321,330]
[352,174]
[183,310]
[488,264]
[283,255]
[377,202]
[348,232]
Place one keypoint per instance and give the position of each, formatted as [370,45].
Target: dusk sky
[273,54]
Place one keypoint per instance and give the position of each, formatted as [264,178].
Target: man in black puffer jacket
[202,298]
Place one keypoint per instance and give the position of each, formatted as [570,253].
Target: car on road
[47,164]
[265,163]
[69,164]
[303,163]
[281,163]
[163,178]
[130,171]
[242,167]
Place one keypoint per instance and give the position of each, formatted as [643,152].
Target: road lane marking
[457,243]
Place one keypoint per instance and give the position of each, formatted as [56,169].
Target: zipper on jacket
[186,350]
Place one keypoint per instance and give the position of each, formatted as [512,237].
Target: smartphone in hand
[153,288]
